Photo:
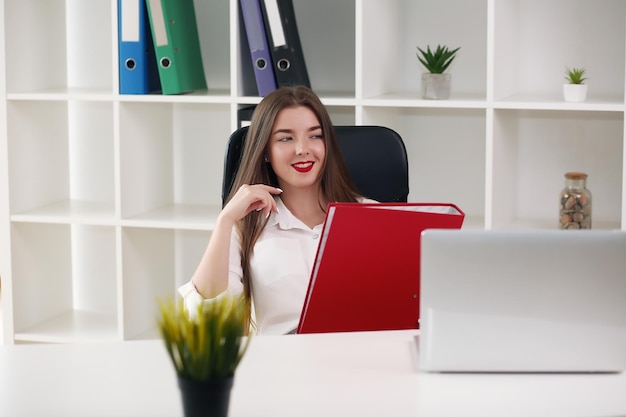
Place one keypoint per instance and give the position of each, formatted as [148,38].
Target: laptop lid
[523,301]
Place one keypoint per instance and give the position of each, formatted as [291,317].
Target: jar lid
[575,175]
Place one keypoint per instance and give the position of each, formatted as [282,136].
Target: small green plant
[208,345]
[575,75]
[438,61]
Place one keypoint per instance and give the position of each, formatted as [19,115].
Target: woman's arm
[211,276]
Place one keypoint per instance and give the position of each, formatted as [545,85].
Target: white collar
[284,218]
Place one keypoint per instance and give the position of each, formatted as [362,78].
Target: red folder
[367,267]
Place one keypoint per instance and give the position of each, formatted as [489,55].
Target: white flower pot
[574,92]
[436,86]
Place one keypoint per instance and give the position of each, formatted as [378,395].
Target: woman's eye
[284,139]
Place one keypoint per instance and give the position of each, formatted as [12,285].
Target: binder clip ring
[283,64]
[261,63]
[130,64]
[165,62]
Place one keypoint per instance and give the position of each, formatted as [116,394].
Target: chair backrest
[375,155]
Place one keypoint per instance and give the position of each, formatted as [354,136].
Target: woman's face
[296,148]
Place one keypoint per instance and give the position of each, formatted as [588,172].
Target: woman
[266,237]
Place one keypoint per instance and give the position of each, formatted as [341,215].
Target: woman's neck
[306,205]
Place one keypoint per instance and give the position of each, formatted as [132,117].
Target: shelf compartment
[327,35]
[155,263]
[446,152]
[171,160]
[67,288]
[534,149]
[212,18]
[72,40]
[57,169]
[535,40]
[73,326]
[392,30]
[342,115]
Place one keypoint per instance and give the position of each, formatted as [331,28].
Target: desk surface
[364,374]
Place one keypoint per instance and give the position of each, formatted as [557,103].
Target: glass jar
[575,208]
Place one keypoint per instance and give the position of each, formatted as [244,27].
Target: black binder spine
[285,48]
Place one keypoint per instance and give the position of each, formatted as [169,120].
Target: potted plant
[575,90]
[435,83]
[205,348]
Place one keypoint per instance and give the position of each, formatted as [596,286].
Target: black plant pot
[205,398]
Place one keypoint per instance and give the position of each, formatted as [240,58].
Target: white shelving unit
[107,201]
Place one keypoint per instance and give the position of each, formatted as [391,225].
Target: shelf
[70,212]
[183,217]
[62,94]
[543,102]
[72,327]
[213,96]
[413,100]
[109,200]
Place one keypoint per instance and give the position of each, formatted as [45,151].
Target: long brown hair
[335,182]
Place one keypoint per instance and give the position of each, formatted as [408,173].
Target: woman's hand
[249,198]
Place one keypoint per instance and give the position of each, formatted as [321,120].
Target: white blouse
[280,269]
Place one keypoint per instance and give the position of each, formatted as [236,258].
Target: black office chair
[375,155]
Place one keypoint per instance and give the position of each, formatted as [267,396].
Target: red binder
[367,267]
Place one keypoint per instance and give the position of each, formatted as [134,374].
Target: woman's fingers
[267,202]
[271,207]
[253,197]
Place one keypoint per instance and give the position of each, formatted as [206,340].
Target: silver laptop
[523,301]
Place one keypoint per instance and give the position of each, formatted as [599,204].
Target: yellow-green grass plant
[209,344]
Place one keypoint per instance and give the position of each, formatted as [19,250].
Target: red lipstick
[303,166]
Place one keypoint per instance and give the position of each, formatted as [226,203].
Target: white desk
[351,374]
